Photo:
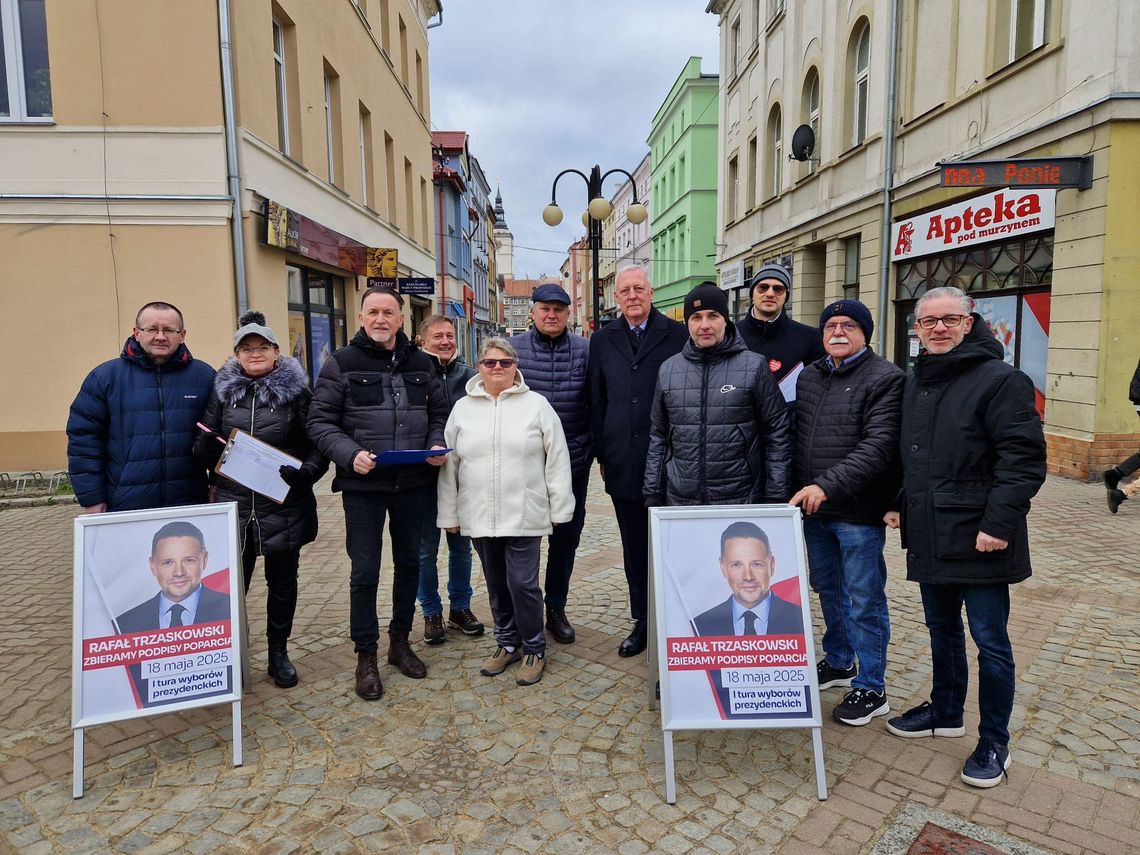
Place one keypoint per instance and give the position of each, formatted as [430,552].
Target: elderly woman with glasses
[267,395]
[506,485]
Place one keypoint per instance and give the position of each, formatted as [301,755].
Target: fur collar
[277,388]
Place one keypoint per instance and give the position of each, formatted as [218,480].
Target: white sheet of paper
[255,464]
[788,384]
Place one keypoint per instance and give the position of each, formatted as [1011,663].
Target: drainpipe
[888,181]
[438,23]
[233,172]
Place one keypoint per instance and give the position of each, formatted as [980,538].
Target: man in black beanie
[767,330]
[847,471]
[719,428]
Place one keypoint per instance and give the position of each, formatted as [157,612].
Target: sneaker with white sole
[986,766]
[830,677]
[920,721]
[860,706]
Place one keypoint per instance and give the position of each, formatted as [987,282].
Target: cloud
[543,85]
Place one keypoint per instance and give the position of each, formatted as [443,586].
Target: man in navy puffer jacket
[131,429]
[553,360]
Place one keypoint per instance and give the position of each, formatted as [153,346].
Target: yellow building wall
[50,346]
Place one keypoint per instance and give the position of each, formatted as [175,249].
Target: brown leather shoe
[368,684]
[465,621]
[434,633]
[559,626]
[400,654]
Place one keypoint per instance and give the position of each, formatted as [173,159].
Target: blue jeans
[849,574]
[458,570]
[987,610]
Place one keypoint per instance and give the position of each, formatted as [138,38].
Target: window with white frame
[776,147]
[365,156]
[735,52]
[860,96]
[1028,26]
[812,117]
[282,92]
[25,78]
[731,184]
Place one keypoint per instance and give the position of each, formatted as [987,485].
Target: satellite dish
[803,143]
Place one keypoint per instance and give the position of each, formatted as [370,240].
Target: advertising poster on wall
[155,625]
[734,632]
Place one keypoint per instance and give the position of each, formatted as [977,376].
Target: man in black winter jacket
[973,455]
[554,362]
[439,343]
[380,393]
[847,432]
[719,428]
[787,345]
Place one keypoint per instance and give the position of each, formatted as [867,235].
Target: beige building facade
[974,80]
[123,190]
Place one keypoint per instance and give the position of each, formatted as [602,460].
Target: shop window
[25,77]
[851,268]
[1011,286]
[317,323]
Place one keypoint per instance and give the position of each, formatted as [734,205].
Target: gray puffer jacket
[719,429]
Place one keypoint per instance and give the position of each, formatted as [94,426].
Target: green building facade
[683,154]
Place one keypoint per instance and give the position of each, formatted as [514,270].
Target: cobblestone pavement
[460,763]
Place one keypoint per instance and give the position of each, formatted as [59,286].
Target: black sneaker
[986,766]
[1112,478]
[465,621]
[860,706]
[830,677]
[920,722]
[1115,499]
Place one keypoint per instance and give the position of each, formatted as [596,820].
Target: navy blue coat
[131,430]
[621,396]
[557,369]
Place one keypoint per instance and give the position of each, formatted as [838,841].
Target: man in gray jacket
[719,428]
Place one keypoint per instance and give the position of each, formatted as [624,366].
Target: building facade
[481,252]
[455,220]
[633,246]
[256,161]
[1053,268]
[683,163]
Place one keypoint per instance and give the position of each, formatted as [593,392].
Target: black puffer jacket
[556,368]
[719,429]
[273,408]
[973,457]
[847,436]
[371,399]
[453,377]
[1134,388]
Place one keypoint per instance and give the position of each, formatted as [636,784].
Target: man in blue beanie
[847,417]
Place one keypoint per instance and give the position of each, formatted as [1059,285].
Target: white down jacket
[509,475]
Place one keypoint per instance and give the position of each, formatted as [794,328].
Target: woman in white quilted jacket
[506,485]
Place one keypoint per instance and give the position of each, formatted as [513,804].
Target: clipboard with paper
[255,464]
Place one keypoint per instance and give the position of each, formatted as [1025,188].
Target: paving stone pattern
[460,763]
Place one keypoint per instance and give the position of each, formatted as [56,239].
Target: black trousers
[281,580]
[563,544]
[364,515]
[633,524]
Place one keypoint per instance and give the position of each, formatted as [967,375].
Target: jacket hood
[280,386]
[405,347]
[132,352]
[732,343]
[979,345]
[475,387]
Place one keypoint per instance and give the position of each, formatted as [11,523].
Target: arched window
[860,83]
[809,114]
[776,149]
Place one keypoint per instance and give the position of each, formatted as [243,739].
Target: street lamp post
[599,208]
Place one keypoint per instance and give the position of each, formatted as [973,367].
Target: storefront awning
[455,310]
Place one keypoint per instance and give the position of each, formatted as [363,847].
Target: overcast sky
[542,85]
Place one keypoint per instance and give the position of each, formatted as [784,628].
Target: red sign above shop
[286,229]
[982,219]
[1024,172]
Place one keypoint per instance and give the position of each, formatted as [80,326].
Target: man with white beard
[847,470]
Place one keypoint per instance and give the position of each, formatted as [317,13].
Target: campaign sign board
[734,641]
[156,625]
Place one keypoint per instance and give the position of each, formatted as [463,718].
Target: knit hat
[706,296]
[852,309]
[253,323]
[772,270]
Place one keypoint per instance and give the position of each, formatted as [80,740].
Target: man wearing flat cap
[554,363]
[719,429]
[847,416]
[787,345]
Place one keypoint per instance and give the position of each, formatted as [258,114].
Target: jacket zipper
[252,495]
[161,433]
[704,418]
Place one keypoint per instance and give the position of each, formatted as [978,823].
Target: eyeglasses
[775,287]
[502,363]
[950,321]
[834,326]
[262,349]
[637,289]
[157,330]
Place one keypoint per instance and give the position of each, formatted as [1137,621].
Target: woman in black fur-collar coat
[266,394]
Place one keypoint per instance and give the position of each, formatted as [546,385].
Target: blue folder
[393,458]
